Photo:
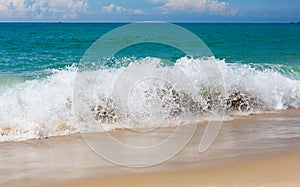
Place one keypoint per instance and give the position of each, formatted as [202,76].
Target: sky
[150,10]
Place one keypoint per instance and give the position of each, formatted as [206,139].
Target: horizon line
[150,21]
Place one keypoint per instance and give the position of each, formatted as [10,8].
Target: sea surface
[255,68]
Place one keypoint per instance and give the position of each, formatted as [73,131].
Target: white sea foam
[191,89]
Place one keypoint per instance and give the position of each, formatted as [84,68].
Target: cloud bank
[42,8]
[195,6]
[112,8]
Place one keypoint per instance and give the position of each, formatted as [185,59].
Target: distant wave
[44,107]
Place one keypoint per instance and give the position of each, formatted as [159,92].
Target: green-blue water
[28,49]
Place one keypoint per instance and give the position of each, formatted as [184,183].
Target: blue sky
[151,10]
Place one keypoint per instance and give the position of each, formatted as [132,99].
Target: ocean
[39,62]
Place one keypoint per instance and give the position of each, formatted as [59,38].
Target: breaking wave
[189,91]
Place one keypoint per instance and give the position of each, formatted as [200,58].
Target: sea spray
[44,107]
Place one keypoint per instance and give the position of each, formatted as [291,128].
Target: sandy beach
[255,150]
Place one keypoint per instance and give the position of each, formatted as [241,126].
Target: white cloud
[196,6]
[137,11]
[215,6]
[12,8]
[42,8]
[118,9]
[111,8]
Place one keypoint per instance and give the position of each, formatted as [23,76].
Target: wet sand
[257,150]
[277,170]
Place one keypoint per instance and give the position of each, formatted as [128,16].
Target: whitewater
[44,106]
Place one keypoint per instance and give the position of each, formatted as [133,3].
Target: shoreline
[247,147]
[232,118]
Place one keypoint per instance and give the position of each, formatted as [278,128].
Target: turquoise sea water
[260,64]
[28,49]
